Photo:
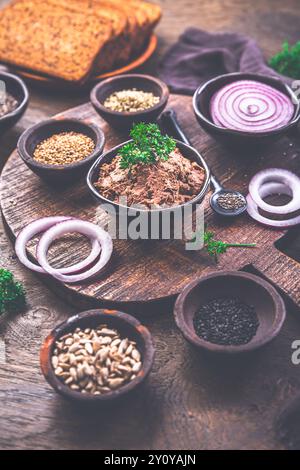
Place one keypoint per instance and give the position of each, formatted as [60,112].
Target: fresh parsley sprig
[287,61]
[148,146]
[217,247]
[12,294]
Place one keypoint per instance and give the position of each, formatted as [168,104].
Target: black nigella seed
[226,321]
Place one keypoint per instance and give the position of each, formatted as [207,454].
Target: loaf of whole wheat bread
[72,39]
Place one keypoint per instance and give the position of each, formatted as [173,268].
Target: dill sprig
[287,61]
[148,146]
[12,294]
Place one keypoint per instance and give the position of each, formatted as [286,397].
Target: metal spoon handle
[170,123]
[216,184]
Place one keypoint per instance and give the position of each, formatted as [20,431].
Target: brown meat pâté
[166,183]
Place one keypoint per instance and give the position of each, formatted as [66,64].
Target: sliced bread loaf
[52,40]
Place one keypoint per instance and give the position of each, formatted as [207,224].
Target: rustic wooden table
[190,401]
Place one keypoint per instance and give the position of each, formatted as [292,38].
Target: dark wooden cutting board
[144,271]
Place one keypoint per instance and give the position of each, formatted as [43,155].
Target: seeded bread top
[133,10]
[151,10]
[51,40]
[104,10]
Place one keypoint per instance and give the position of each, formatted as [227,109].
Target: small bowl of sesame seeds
[127,99]
[229,313]
[61,150]
[97,355]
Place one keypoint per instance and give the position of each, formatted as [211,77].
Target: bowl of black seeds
[229,312]
[13,100]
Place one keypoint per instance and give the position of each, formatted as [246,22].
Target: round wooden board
[143,271]
[132,65]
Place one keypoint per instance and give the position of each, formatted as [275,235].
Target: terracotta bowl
[59,174]
[250,289]
[125,324]
[125,120]
[201,102]
[17,88]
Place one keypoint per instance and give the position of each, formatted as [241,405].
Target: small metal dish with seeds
[61,150]
[97,355]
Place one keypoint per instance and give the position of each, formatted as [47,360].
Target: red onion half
[89,229]
[276,175]
[266,190]
[251,106]
[40,225]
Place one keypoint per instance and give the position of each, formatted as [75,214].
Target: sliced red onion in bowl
[251,106]
[41,225]
[269,189]
[276,175]
[89,229]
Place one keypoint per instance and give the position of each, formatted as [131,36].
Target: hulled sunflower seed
[136,355]
[95,361]
[58,371]
[89,348]
[107,332]
[137,367]
[54,362]
[115,383]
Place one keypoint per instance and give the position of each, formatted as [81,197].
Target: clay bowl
[17,88]
[249,288]
[59,174]
[154,216]
[125,324]
[125,120]
[240,139]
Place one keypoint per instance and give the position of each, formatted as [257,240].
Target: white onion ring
[276,175]
[266,190]
[40,225]
[251,106]
[92,231]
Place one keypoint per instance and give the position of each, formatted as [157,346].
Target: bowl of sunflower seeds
[97,355]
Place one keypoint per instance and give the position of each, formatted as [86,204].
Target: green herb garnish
[12,294]
[217,247]
[287,61]
[148,146]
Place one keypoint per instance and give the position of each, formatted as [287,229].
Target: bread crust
[71,39]
[51,40]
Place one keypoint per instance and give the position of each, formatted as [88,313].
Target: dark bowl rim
[58,331]
[22,103]
[102,199]
[279,314]
[165,93]
[27,158]
[255,76]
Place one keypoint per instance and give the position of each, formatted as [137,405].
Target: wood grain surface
[143,271]
[189,402]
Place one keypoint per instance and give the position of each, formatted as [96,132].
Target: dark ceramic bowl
[59,174]
[17,88]
[201,102]
[131,213]
[125,324]
[125,120]
[250,289]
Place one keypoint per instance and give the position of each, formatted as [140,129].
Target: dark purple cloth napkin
[199,56]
